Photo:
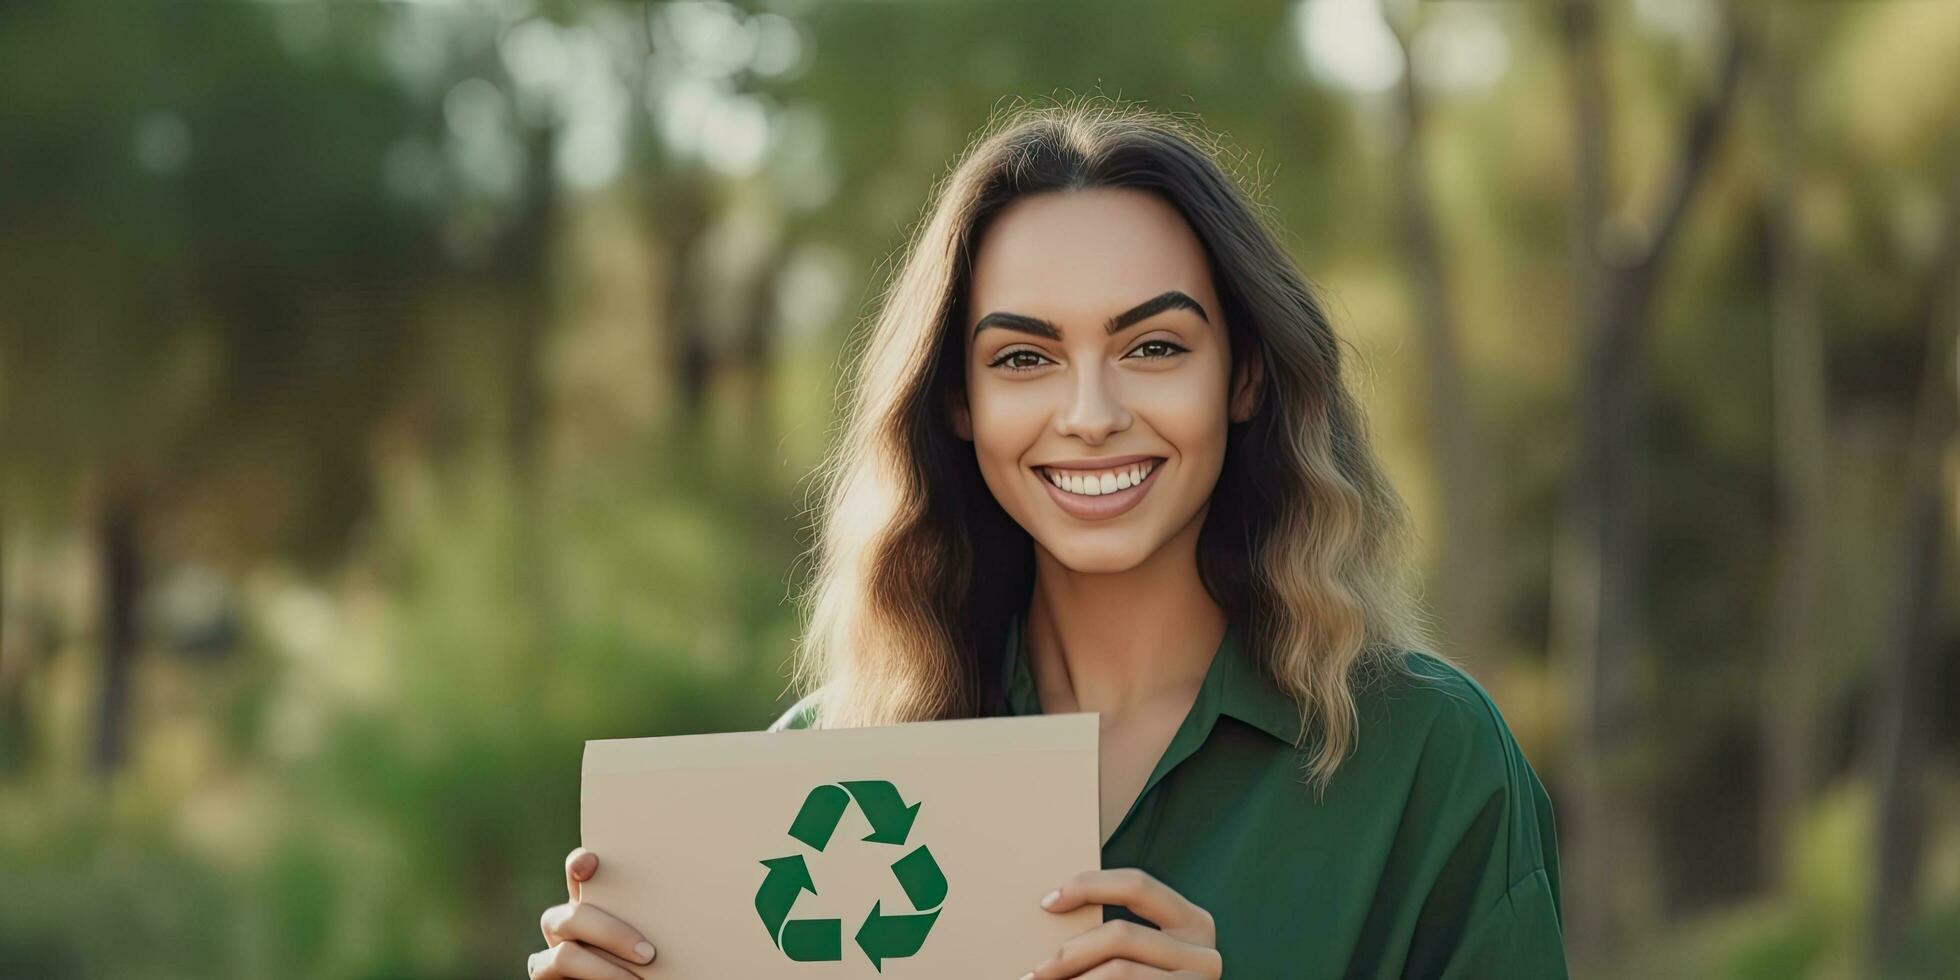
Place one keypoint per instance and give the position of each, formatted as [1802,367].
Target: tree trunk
[13,672]
[677,212]
[1579,553]
[1473,554]
[1598,549]
[680,219]
[1790,692]
[756,354]
[119,568]
[1899,722]
[526,263]
[526,257]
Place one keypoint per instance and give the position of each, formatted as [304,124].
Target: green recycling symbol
[881,936]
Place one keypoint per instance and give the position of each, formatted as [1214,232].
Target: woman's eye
[1024,360]
[1013,360]
[1167,348]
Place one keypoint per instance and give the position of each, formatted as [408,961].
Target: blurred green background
[395,395]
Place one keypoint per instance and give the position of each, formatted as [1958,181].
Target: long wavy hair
[917,569]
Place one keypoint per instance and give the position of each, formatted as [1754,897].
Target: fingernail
[1027,976]
[645,951]
[1050,899]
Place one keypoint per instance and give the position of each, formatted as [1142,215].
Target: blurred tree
[691,53]
[1473,551]
[900,88]
[1900,724]
[205,287]
[1792,705]
[1597,578]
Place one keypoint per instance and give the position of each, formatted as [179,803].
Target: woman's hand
[580,936]
[1184,944]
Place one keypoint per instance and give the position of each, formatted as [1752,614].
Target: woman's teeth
[1095,483]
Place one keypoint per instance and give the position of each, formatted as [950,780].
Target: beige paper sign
[905,851]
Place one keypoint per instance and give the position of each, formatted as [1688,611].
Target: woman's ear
[1248,384]
[957,413]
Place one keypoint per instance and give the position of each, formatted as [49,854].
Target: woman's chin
[1087,557]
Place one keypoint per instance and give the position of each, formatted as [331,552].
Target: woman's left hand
[1184,944]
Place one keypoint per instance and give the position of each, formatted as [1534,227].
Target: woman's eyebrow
[1173,299]
[1168,300]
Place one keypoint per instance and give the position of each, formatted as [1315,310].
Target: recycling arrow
[890,818]
[810,939]
[818,818]
[884,937]
[881,936]
[921,878]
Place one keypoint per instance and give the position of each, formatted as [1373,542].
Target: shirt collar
[1235,684]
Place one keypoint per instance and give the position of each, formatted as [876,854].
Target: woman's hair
[918,569]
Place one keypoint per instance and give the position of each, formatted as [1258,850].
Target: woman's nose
[1094,408]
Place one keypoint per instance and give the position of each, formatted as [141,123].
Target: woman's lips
[1104,506]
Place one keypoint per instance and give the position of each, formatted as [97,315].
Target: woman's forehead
[1086,253]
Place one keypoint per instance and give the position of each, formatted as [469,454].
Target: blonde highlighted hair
[917,569]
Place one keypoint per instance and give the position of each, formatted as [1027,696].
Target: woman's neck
[1115,642]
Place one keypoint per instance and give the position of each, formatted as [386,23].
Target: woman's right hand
[580,935]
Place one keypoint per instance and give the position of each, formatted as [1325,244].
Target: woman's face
[1097,355]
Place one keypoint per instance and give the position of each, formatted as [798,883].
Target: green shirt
[1432,853]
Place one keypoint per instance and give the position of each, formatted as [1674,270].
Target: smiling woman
[1099,455]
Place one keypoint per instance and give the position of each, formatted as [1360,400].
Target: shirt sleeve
[1492,905]
[1520,936]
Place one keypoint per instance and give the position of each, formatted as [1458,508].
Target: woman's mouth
[1101,493]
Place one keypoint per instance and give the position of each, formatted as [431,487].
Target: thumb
[580,865]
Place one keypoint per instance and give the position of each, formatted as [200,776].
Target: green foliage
[1816,927]
[425,830]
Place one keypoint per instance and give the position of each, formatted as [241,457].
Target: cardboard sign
[902,851]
